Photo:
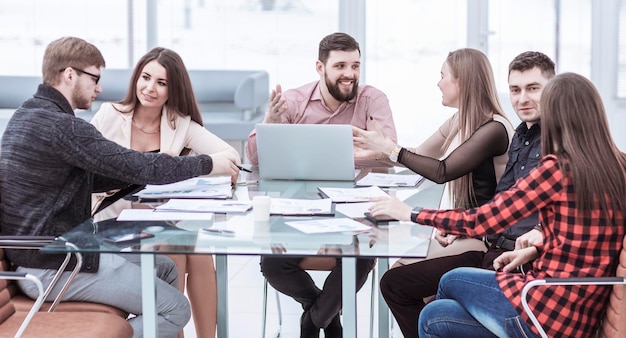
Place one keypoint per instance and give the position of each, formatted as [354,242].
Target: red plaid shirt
[570,249]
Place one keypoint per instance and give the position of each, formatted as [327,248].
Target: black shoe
[334,329]
[307,328]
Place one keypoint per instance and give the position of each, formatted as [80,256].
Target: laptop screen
[305,151]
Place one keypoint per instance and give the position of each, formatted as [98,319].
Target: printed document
[390,180]
[328,225]
[198,187]
[153,215]
[204,205]
[341,195]
[303,207]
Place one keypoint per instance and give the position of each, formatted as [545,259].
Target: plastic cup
[261,208]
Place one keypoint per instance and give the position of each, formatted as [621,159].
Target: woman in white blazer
[160,113]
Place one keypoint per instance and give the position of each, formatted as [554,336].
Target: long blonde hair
[478,102]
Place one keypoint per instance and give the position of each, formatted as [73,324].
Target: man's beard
[80,102]
[333,89]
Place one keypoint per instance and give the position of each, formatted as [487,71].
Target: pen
[244,169]
[247,183]
[219,231]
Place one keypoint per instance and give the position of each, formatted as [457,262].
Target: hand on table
[226,163]
[391,207]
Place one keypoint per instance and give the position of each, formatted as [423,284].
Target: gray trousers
[118,283]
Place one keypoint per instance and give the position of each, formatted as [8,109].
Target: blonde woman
[468,152]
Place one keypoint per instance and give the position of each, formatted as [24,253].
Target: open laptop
[321,152]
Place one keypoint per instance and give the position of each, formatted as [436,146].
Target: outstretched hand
[371,143]
[276,106]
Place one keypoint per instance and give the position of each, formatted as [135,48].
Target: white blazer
[116,126]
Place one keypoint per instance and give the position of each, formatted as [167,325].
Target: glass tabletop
[239,234]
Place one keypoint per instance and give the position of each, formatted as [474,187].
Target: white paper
[339,195]
[290,206]
[353,210]
[197,187]
[328,225]
[152,215]
[390,180]
[204,206]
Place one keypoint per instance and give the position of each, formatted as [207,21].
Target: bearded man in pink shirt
[337,98]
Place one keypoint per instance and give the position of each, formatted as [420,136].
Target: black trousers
[405,287]
[285,275]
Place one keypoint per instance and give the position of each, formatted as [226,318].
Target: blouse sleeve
[489,140]
[542,186]
[202,141]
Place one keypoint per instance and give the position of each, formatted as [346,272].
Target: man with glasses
[52,161]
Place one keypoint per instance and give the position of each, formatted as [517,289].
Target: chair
[312,264]
[22,303]
[614,322]
[34,323]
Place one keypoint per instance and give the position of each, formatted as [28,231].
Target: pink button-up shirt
[306,106]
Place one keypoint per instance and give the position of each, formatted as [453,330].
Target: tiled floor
[245,297]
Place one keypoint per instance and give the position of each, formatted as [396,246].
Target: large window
[26,27]
[559,29]
[281,38]
[406,46]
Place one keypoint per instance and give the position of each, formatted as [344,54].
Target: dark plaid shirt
[571,248]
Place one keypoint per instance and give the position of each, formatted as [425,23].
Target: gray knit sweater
[51,161]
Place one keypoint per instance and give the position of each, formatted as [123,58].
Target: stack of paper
[154,215]
[198,187]
[390,180]
[204,205]
[341,195]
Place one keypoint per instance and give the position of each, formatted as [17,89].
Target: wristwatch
[414,213]
[394,153]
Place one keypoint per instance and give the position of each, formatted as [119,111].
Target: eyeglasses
[94,76]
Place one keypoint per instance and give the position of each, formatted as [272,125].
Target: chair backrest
[614,322]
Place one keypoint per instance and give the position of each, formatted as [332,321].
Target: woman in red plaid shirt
[579,189]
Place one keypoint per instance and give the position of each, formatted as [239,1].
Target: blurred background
[403,42]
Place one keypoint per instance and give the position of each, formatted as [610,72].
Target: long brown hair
[478,102]
[574,127]
[181,98]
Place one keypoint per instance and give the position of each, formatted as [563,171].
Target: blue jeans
[470,303]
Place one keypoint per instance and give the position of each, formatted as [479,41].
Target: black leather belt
[505,243]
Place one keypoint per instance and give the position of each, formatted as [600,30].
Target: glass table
[247,237]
